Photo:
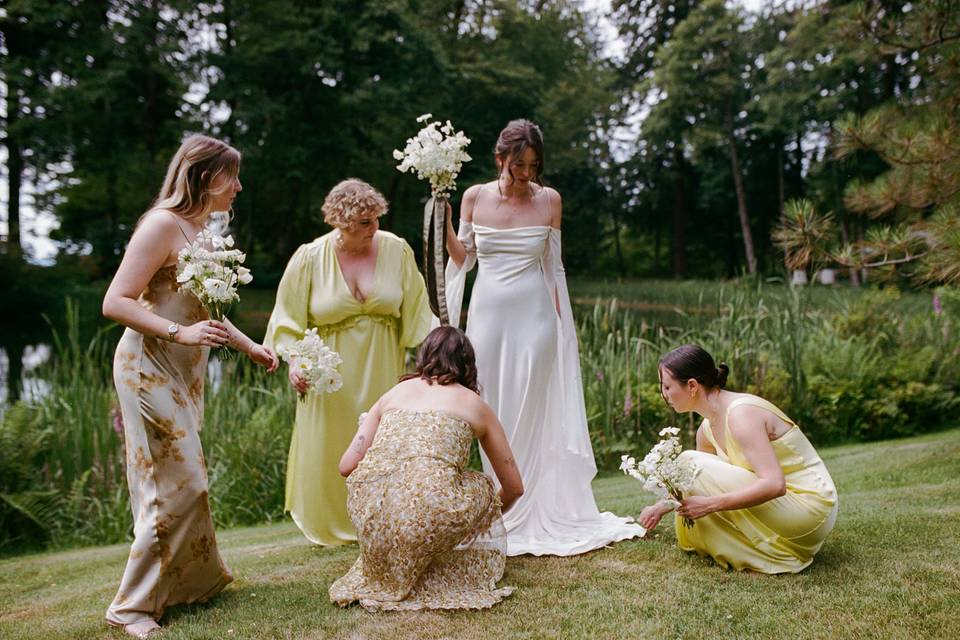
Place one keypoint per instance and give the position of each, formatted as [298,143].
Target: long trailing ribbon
[435,255]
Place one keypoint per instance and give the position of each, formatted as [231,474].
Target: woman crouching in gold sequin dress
[430,531]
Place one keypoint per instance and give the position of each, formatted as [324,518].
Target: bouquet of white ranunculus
[211,270]
[437,154]
[315,362]
[661,472]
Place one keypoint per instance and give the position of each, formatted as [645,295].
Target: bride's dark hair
[517,137]
[447,357]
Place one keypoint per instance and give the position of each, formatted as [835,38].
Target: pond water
[21,380]
[26,382]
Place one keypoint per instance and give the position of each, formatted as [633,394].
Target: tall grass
[860,368]
[869,365]
[62,476]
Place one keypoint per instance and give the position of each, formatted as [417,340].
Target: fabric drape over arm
[289,319]
[415,314]
[456,277]
[575,435]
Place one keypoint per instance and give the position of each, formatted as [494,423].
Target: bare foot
[142,629]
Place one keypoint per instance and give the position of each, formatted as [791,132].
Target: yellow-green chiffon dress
[779,536]
[371,337]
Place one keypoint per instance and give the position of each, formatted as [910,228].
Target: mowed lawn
[891,569]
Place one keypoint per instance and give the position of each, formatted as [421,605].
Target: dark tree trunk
[781,186]
[742,205]
[14,172]
[621,265]
[798,168]
[678,219]
[14,370]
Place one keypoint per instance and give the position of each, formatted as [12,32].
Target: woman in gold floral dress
[159,371]
[430,532]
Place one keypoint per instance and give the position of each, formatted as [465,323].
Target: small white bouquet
[661,472]
[210,268]
[437,154]
[315,362]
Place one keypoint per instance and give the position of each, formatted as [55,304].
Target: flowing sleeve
[576,435]
[289,319]
[415,314]
[456,277]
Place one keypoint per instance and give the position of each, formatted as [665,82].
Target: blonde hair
[194,167]
[349,200]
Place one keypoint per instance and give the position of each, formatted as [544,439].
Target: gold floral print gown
[778,536]
[174,557]
[430,532]
[370,335]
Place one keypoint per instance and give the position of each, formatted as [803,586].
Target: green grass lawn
[891,569]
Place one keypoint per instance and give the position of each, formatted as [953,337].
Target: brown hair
[518,136]
[690,362]
[196,164]
[447,357]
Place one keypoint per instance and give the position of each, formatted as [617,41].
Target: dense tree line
[679,157]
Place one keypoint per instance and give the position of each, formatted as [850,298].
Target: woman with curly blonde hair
[360,287]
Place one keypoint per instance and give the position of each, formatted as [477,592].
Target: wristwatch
[172,331]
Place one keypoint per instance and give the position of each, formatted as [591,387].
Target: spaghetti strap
[758,402]
[177,220]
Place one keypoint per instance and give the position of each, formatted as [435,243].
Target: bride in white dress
[521,326]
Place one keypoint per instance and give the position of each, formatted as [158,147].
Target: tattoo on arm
[509,462]
[359,443]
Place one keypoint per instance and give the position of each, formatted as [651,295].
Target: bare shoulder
[469,202]
[745,420]
[473,191]
[158,221]
[158,232]
[556,206]
[477,412]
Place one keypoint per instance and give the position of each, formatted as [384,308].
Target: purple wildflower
[937,305]
[627,404]
[117,419]
[600,376]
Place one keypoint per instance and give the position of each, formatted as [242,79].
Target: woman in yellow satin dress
[763,500]
[361,288]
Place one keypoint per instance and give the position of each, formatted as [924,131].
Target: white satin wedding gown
[528,366]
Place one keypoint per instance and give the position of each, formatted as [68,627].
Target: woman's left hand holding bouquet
[258,353]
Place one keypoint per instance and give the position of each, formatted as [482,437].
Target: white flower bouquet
[210,268]
[437,154]
[315,362]
[661,472]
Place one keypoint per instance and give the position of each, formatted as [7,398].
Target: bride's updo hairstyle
[690,362]
[517,137]
[187,189]
[447,357]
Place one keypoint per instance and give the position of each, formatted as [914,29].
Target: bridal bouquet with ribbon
[315,362]
[436,154]
[660,471]
[210,268]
